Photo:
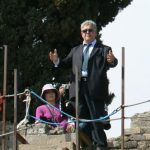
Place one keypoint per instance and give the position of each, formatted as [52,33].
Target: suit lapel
[80,52]
[79,55]
[95,49]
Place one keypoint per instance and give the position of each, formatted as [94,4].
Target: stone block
[57,146]
[116,144]
[147,137]
[130,144]
[140,123]
[137,137]
[141,120]
[143,144]
[137,130]
[50,139]
[126,138]
[127,132]
[146,130]
[44,129]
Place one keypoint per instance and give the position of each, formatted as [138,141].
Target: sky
[131,29]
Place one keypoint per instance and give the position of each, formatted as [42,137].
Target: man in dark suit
[93,60]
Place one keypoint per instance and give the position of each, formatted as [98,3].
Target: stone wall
[42,137]
[45,137]
[137,137]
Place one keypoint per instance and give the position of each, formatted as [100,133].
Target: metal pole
[15,111]
[4,102]
[123,98]
[77,109]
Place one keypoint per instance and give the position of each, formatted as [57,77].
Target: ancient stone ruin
[42,137]
[137,137]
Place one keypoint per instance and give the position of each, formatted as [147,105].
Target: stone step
[59,146]
[141,120]
[50,139]
[137,130]
[140,123]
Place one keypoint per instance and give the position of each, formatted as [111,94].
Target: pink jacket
[51,114]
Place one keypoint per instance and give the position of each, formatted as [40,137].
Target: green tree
[31,28]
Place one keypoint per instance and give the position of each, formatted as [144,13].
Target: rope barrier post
[122,95]
[77,109]
[28,101]
[4,93]
[15,111]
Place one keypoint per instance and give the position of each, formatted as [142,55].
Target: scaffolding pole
[77,109]
[123,98]
[15,111]
[4,93]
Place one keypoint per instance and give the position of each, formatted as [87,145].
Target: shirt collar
[92,43]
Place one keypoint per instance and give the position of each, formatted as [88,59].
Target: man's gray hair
[89,22]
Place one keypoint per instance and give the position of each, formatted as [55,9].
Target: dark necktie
[85,58]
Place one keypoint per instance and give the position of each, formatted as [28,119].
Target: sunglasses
[87,30]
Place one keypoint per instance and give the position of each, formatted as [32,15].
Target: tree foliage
[31,28]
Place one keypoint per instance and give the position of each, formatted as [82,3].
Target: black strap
[52,113]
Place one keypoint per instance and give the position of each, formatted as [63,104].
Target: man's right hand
[62,90]
[53,56]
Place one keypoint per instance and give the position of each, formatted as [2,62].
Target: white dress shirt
[85,73]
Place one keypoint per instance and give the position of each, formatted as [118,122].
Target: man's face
[88,33]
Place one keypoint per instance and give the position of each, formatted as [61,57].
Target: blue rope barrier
[48,122]
[51,105]
[99,119]
[81,120]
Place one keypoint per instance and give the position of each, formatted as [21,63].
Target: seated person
[51,94]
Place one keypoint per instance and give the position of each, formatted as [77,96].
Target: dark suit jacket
[97,70]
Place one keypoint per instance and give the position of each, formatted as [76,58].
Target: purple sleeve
[39,112]
[63,123]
